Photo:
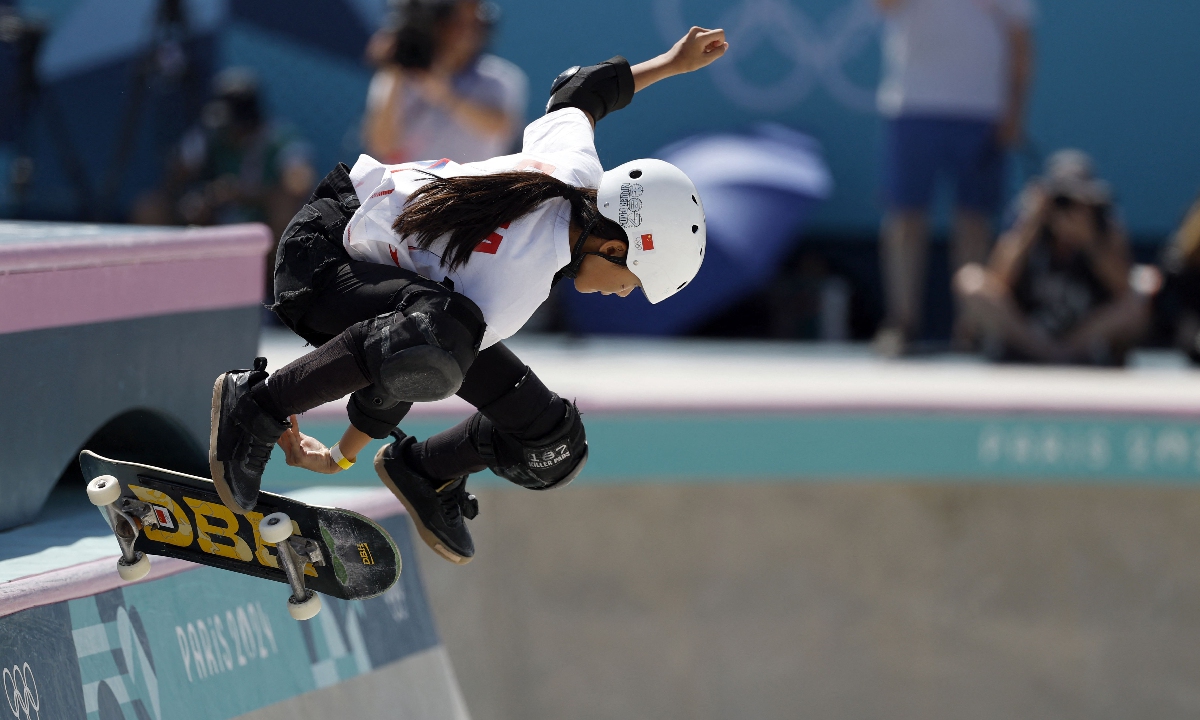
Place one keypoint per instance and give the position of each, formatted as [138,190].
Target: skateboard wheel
[275,528]
[306,609]
[137,570]
[103,490]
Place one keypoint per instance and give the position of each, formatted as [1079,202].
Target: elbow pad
[596,89]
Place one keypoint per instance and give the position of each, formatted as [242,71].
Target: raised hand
[699,48]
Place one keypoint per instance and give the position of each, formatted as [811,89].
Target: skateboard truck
[293,553]
[126,516]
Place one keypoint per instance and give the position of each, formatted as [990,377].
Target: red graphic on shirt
[492,242]
[381,193]
[647,242]
[528,163]
[395,255]
[423,165]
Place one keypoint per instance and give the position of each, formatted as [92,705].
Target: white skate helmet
[660,210]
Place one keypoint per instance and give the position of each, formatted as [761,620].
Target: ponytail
[471,207]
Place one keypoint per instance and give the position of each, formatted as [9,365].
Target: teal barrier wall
[833,446]
[1113,77]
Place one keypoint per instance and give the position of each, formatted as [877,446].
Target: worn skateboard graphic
[153,511]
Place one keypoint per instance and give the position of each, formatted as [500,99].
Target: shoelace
[257,455]
[458,503]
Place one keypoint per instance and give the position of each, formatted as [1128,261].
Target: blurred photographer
[436,94]
[1179,302]
[235,165]
[1056,288]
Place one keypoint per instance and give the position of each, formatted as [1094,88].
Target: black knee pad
[375,412]
[421,352]
[596,89]
[538,463]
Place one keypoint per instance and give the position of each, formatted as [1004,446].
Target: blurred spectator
[1056,288]
[955,79]
[235,166]
[1179,302]
[436,94]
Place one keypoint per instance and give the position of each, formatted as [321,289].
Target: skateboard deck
[343,554]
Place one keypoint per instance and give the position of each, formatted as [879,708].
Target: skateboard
[153,511]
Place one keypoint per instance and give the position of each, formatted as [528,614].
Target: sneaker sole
[433,541]
[214,465]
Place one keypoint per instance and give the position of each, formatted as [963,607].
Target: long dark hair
[470,207]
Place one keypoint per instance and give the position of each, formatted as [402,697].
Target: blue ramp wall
[1113,78]
[203,644]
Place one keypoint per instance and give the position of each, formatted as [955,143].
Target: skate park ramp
[196,642]
[774,531]
[110,339]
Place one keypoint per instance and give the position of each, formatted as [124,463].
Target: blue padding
[206,643]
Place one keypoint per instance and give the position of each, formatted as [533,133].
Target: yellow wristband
[335,452]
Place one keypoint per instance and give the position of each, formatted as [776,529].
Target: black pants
[357,291]
[326,297]
[351,292]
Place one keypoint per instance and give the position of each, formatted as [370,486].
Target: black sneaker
[241,437]
[439,509]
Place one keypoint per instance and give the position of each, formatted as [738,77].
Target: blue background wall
[1113,77]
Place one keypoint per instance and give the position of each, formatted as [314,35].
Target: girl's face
[599,275]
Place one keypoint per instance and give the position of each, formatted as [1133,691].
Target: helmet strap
[622,260]
[571,269]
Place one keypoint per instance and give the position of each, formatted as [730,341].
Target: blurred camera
[417,24]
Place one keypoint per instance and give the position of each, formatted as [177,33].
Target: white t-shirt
[431,132]
[949,57]
[509,274]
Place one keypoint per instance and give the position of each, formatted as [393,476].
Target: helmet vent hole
[695,200]
[695,229]
[681,285]
[635,174]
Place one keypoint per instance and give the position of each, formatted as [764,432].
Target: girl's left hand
[697,49]
[304,451]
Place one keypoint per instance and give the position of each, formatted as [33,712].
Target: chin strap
[571,270]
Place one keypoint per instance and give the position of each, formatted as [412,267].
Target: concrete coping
[25,248]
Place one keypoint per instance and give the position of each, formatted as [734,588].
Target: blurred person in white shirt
[436,94]
[955,80]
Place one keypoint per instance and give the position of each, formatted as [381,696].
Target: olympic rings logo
[817,55]
[20,689]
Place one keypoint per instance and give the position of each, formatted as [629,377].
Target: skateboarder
[407,278]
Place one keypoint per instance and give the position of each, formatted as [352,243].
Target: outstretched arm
[600,89]
[697,49]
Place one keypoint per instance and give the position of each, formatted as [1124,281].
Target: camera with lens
[416,23]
